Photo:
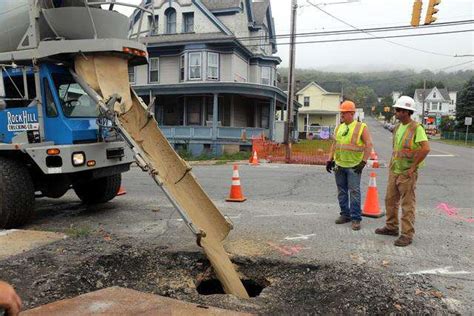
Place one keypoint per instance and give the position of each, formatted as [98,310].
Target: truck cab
[52,136]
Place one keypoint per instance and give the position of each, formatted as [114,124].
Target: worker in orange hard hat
[348,158]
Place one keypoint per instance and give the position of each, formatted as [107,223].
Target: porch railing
[205,133]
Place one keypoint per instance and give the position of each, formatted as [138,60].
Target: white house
[438,102]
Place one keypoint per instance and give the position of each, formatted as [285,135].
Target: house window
[306,101]
[263,36]
[170,21]
[188,22]
[434,94]
[131,74]
[195,60]
[154,69]
[266,71]
[213,66]
[182,60]
[153,24]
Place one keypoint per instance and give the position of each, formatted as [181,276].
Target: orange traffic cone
[236,194]
[371,205]
[121,191]
[254,159]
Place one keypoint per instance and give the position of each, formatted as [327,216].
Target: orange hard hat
[347,106]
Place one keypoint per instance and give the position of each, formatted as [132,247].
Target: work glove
[330,164]
[358,169]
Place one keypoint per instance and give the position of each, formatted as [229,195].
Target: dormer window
[153,24]
[188,22]
[170,14]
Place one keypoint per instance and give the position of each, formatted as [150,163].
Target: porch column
[271,120]
[215,116]
[232,115]
[307,125]
[255,114]
[185,112]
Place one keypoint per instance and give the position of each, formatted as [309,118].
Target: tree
[465,103]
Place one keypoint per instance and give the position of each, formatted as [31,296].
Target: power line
[372,38]
[356,31]
[384,39]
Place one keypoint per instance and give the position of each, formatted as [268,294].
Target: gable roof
[314,84]
[420,94]
[260,10]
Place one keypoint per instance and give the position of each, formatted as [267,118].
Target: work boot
[355,225]
[402,241]
[342,220]
[386,231]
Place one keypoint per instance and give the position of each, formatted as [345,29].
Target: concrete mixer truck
[51,138]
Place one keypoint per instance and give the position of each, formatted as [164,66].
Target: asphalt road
[290,212]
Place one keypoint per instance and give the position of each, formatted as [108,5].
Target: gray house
[212,71]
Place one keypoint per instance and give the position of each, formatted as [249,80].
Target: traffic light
[432,10]
[416,14]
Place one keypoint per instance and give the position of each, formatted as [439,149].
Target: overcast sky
[375,54]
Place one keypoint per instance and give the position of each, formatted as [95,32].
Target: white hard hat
[406,103]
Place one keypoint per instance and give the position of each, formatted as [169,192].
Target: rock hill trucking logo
[23,121]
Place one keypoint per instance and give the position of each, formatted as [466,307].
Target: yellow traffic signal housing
[416,14]
[432,10]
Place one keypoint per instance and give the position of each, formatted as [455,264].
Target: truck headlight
[78,159]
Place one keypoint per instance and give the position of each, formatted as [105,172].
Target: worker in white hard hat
[410,148]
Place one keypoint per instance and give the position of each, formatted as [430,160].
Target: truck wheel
[17,194]
[99,190]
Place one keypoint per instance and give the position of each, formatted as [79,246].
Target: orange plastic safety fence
[304,153]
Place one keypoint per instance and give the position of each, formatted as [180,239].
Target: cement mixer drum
[59,20]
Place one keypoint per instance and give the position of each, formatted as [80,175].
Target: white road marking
[442,155]
[445,271]
[300,237]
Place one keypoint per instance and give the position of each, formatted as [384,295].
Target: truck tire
[99,190]
[17,194]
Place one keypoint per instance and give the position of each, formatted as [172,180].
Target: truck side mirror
[2,84]
[3,104]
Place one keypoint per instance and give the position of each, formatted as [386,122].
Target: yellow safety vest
[349,148]
[404,152]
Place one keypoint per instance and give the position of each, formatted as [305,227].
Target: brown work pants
[401,190]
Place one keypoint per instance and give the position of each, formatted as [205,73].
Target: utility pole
[291,82]
[423,108]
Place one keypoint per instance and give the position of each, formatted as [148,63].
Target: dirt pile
[76,266]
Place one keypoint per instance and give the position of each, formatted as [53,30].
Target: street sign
[468,121]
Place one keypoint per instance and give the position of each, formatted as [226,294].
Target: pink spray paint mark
[452,212]
[286,250]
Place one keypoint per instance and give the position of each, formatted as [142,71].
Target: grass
[455,142]
[309,146]
[222,159]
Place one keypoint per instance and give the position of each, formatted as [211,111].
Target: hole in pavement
[214,286]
